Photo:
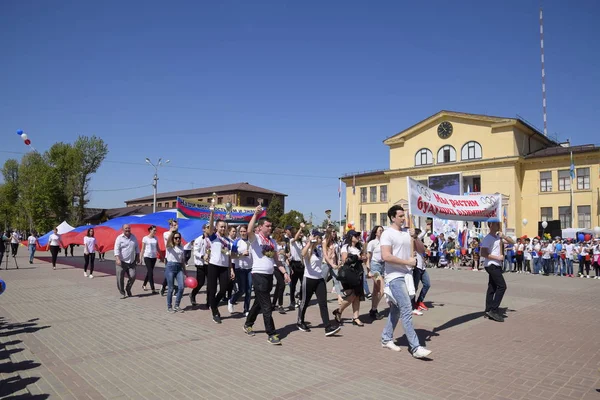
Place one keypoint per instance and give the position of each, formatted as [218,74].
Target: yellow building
[480,153]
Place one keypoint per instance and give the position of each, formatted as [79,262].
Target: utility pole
[155,179]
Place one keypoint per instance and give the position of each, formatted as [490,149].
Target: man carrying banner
[492,255]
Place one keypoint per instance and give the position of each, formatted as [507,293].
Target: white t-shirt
[313,269]
[261,264]
[548,250]
[219,246]
[374,247]
[166,237]
[14,238]
[350,250]
[296,249]
[175,254]
[568,250]
[492,243]
[401,245]
[150,247]
[54,240]
[242,262]
[200,244]
[536,250]
[31,240]
[188,246]
[281,252]
[89,243]
[528,250]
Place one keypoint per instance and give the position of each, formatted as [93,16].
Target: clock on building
[444,130]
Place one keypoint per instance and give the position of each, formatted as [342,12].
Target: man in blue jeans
[396,251]
[492,249]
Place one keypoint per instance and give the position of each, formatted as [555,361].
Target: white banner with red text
[429,203]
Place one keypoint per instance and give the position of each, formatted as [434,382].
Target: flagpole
[572,176]
[340,199]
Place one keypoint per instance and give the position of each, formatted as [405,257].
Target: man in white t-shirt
[263,250]
[396,251]
[492,256]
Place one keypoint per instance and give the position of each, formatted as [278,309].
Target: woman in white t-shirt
[149,254]
[31,244]
[375,270]
[54,244]
[174,269]
[14,243]
[314,283]
[89,252]
[352,294]
[173,226]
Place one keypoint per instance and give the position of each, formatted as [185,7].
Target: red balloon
[191,282]
[587,237]
[27,142]
[463,251]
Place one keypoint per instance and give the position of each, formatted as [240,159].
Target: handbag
[348,274]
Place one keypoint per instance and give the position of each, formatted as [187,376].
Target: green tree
[9,196]
[92,152]
[275,211]
[292,218]
[64,160]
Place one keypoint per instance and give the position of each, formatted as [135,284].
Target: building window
[424,157]
[373,194]
[546,181]
[363,195]
[200,200]
[584,217]
[583,179]
[383,193]
[250,201]
[564,214]
[373,220]
[363,222]
[219,200]
[383,219]
[446,154]
[546,213]
[174,204]
[564,180]
[471,151]
[158,204]
[266,202]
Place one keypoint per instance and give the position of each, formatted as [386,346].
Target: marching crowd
[234,261]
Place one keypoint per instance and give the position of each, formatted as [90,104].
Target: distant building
[239,194]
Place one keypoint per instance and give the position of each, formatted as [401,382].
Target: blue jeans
[508,265]
[31,252]
[421,275]
[402,310]
[174,270]
[537,265]
[366,285]
[243,278]
[569,266]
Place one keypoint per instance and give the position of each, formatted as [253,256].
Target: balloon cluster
[24,136]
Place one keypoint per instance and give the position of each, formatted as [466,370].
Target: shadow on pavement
[15,384]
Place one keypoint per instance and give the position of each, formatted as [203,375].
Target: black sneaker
[129,293]
[178,309]
[375,315]
[193,300]
[303,327]
[281,310]
[495,316]
[217,319]
[369,296]
[292,307]
[162,291]
[332,330]
[274,339]
[248,330]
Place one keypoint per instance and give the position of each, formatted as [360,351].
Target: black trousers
[519,262]
[220,275]
[89,260]
[496,288]
[262,283]
[297,276]
[54,252]
[311,286]
[200,277]
[150,263]
[279,288]
[14,247]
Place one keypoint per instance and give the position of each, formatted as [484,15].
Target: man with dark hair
[264,257]
[396,251]
[492,255]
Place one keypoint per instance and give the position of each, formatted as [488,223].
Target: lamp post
[155,180]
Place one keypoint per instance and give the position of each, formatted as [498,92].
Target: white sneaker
[84,273]
[246,314]
[421,352]
[417,312]
[230,307]
[588,277]
[391,345]
[91,276]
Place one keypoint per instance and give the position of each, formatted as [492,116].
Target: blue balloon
[20,132]
[581,237]
[2,286]
[558,247]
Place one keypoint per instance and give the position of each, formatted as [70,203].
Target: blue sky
[285,87]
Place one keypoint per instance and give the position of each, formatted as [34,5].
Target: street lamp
[155,180]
